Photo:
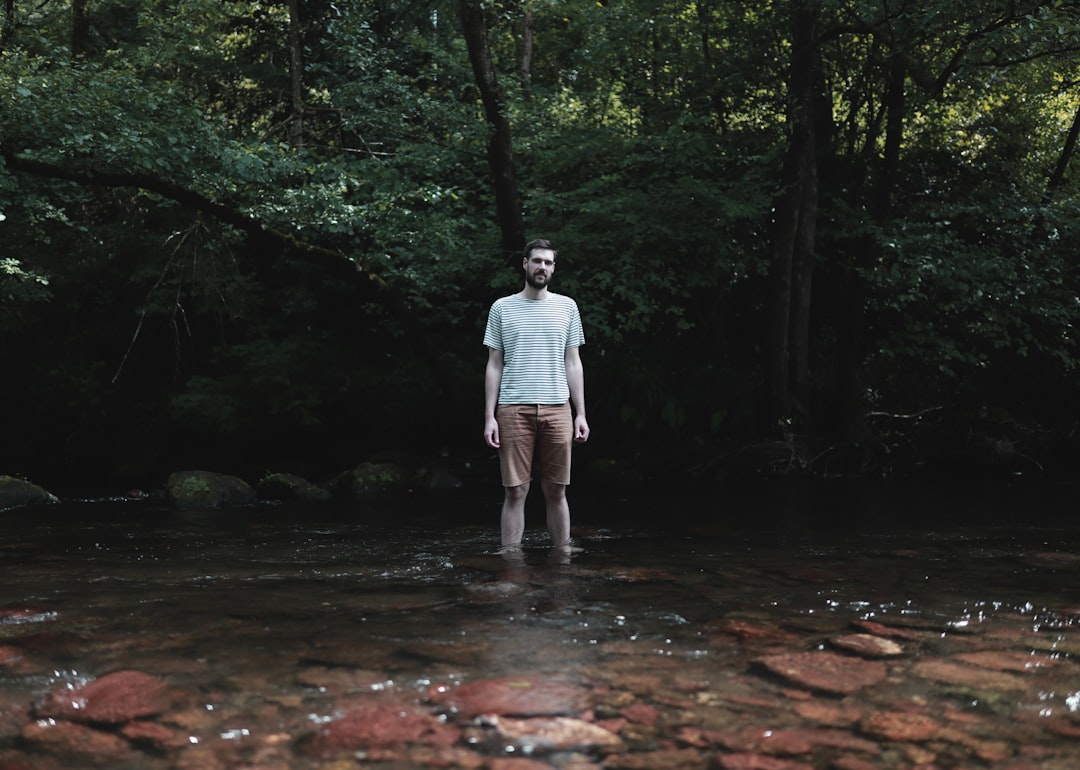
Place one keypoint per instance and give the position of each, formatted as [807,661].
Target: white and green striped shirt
[533,335]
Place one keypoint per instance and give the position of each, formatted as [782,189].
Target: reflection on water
[277,620]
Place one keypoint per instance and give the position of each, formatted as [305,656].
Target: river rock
[663,759]
[788,742]
[962,675]
[112,699]
[77,744]
[513,697]
[826,671]
[15,493]
[373,480]
[285,486]
[542,734]
[1010,660]
[902,726]
[378,725]
[205,489]
[868,645]
[752,761]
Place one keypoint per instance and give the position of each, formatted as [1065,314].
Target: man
[533,378]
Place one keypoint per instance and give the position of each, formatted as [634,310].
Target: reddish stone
[514,697]
[640,575]
[77,743]
[826,671]
[154,734]
[1003,660]
[752,632]
[967,676]
[794,741]
[379,725]
[1066,729]
[9,655]
[544,734]
[759,762]
[338,680]
[868,645]
[14,661]
[613,726]
[693,736]
[641,713]
[880,629]
[830,714]
[672,702]
[416,756]
[902,726]
[852,763]
[670,759]
[111,699]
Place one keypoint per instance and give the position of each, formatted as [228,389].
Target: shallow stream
[735,637]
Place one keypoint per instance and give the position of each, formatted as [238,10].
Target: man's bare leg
[513,514]
[558,513]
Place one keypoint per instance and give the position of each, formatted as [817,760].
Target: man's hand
[491,432]
[581,429]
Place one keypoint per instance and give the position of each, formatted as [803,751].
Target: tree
[500,144]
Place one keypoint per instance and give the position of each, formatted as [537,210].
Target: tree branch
[310,252]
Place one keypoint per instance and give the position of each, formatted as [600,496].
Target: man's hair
[539,243]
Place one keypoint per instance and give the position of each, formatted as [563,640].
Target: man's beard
[537,282]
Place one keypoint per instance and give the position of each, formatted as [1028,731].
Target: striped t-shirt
[533,335]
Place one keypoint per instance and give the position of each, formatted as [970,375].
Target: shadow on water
[823,626]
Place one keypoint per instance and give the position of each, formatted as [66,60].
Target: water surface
[275,621]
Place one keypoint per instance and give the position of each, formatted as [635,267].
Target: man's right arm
[492,380]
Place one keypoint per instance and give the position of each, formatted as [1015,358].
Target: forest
[833,237]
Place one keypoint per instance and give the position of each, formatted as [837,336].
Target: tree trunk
[1058,175]
[527,52]
[296,75]
[851,316]
[80,28]
[791,270]
[500,144]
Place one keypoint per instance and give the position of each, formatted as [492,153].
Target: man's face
[539,266]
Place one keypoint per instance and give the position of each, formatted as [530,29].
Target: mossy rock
[15,493]
[205,489]
[368,480]
[285,486]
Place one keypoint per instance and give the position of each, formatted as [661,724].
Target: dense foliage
[265,234]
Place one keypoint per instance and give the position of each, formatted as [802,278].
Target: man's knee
[518,493]
[553,491]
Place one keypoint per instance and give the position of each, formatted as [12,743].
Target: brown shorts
[547,428]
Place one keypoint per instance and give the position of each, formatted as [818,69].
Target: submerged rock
[373,480]
[826,671]
[205,489]
[285,486]
[78,744]
[15,493]
[542,734]
[962,675]
[112,699]
[515,697]
[868,645]
[378,725]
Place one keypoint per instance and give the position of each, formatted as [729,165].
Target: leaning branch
[186,197]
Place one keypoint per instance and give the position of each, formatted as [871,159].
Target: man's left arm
[575,378]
